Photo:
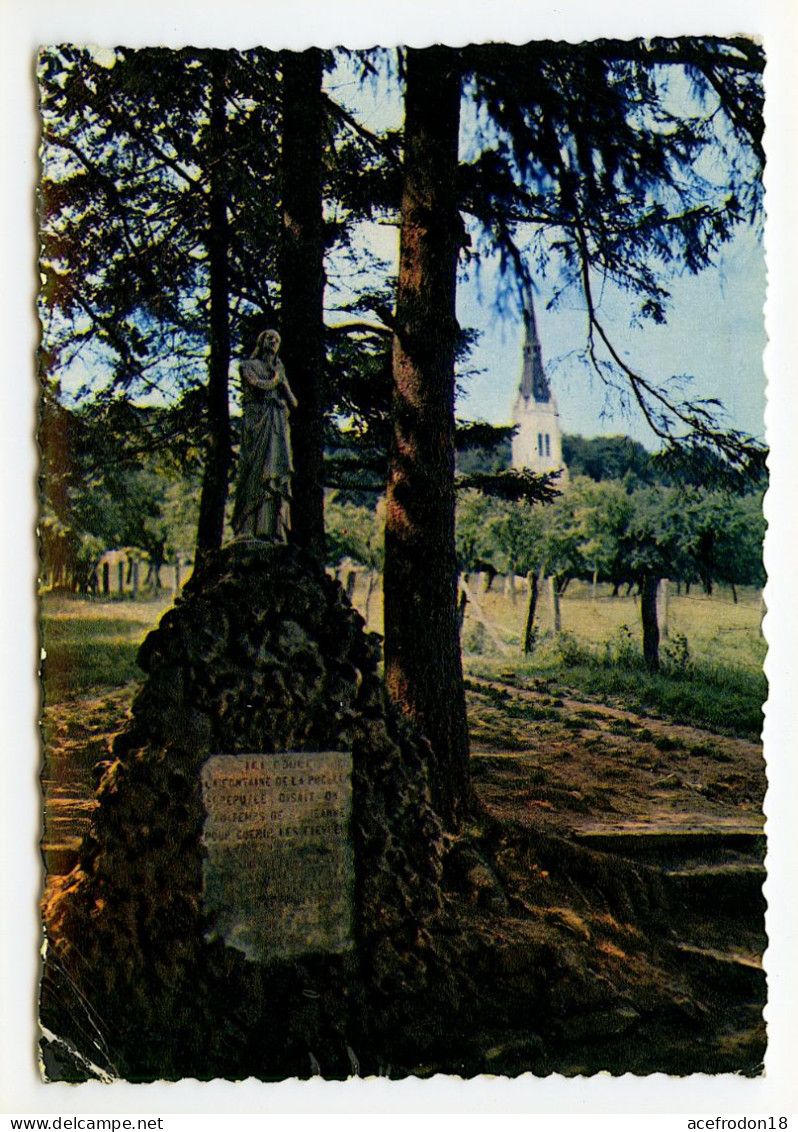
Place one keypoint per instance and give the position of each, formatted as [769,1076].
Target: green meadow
[711,649]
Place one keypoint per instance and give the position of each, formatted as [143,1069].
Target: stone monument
[263,866]
[264,857]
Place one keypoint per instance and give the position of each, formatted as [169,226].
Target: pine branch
[524,485]
[480,434]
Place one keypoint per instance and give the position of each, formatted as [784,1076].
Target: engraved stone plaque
[278,874]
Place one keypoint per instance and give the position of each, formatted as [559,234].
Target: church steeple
[533,378]
[537,443]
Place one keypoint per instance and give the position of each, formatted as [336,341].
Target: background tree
[218,458]
[608,458]
[719,540]
[684,534]
[648,549]
[355,532]
[112,478]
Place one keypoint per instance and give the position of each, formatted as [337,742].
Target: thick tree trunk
[302,288]
[648,616]
[423,667]
[218,455]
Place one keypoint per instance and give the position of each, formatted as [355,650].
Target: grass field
[715,627]
[89,644]
[712,656]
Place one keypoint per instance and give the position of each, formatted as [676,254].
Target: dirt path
[573,765]
[77,733]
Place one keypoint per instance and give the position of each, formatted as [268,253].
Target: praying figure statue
[263,487]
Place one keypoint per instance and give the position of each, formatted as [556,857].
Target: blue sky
[715,333]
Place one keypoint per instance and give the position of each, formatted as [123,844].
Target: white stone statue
[263,486]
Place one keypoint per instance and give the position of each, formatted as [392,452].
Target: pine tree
[589,147]
[423,668]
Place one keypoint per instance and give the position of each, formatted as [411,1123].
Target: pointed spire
[533,379]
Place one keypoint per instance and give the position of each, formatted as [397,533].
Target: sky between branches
[714,333]
[714,336]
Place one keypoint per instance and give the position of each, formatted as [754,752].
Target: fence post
[373,577]
[461,608]
[476,611]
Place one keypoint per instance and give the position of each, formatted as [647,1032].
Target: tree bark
[423,667]
[648,615]
[529,628]
[302,288]
[218,455]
